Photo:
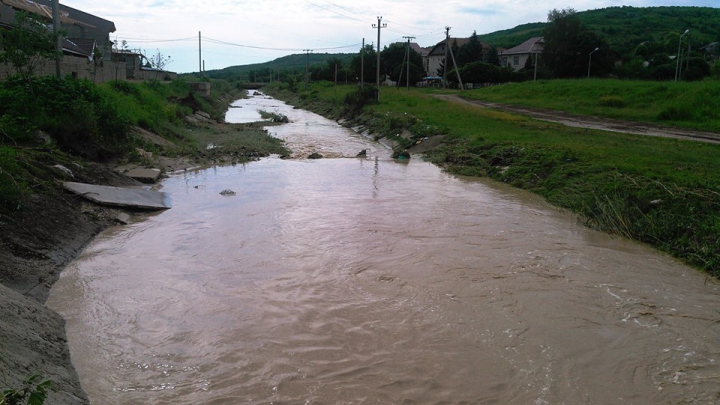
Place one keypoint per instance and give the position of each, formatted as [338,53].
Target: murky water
[354,281]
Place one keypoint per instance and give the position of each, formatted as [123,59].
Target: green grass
[664,192]
[693,105]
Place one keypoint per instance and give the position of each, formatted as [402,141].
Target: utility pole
[379,26]
[445,60]
[56,33]
[408,61]
[362,64]
[307,65]
[457,72]
[200,51]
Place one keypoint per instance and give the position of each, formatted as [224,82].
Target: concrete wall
[79,67]
[151,74]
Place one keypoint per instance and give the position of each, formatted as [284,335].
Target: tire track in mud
[590,122]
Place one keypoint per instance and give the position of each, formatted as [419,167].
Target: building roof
[44,11]
[94,26]
[439,49]
[417,48]
[526,47]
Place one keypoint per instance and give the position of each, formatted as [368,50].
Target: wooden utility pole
[362,64]
[379,26]
[457,72]
[445,60]
[408,62]
[307,66]
[56,33]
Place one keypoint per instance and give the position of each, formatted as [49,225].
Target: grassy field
[694,105]
[664,192]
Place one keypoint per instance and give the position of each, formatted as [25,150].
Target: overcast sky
[241,32]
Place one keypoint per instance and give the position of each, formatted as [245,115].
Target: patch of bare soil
[589,122]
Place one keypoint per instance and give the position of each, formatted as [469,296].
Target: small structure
[711,51]
[517,57]
[137,66]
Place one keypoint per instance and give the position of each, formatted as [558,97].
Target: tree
[567,46]
[368,59]
[28,45]
[472,51]
[493,56]
[158,61]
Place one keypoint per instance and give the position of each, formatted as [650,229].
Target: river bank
[53,226]
[660,191]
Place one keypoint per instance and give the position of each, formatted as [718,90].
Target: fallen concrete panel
[119,196]
[144,175]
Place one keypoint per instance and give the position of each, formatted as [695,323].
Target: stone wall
[77,67]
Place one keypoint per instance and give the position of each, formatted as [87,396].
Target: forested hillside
[261,71]
[626,28]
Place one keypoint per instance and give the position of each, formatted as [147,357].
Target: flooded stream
[367,280]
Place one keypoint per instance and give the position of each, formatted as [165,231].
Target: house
[517,57]
[86,33]
[86,49]
[711,51]
[436,56]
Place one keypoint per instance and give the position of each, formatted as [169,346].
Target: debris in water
[227,192]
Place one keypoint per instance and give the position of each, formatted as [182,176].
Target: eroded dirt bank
[35,244]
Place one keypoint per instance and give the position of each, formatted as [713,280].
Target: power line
[217,41]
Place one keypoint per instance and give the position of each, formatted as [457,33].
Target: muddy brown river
[367,280]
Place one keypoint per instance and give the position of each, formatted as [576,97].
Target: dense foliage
[73,112]
[568,45]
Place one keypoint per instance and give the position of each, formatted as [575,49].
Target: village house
[517,57]
[87,49]
[435,57]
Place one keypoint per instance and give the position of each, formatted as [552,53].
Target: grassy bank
[45,122]
[693,105]
[663,192]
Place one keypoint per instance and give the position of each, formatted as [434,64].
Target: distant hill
[294,62]
[625,28]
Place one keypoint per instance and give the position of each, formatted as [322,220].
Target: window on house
[516,60]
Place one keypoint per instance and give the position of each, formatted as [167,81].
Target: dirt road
[590,122]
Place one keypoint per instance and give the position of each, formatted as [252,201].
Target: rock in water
[227,192]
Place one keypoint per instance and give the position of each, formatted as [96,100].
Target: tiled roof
[526,47]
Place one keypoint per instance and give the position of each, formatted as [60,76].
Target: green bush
[72,111]
[12,186]
[612,101]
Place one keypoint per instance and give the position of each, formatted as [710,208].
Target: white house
[517,57]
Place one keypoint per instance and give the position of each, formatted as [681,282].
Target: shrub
[612,101]
[355,101]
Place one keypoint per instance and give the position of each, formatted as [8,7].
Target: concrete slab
[119,196]
[144,175]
